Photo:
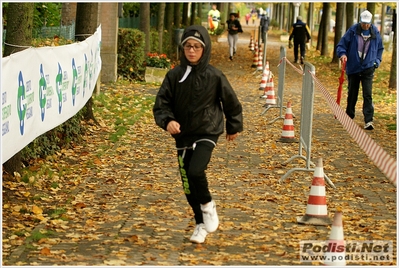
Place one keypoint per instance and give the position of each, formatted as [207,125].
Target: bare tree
[161,16]
[339,21]
[86,25]
[68,13]
[199,10]
[193,15]
[371,7]
[177,15]
[350,14]
[169,21]
[325,21]
[144,25]
[185,14]
[18,37]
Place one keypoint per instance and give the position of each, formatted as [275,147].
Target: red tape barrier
[376,153]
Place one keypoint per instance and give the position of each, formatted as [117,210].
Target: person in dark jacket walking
[234,27]
[361,49]
[301,34]
[264,23]
[191,105]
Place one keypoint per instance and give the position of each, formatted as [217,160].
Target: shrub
[131,53]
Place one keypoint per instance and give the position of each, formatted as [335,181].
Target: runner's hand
[173,127]
[231,137]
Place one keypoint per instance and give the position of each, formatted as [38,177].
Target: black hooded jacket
[199,101]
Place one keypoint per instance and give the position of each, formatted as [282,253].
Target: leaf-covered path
[122,202]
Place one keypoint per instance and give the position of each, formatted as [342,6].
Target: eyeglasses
[196,47]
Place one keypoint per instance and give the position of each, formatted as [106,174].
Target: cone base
[306,219]
[287,140]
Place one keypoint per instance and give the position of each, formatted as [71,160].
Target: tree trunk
[326,24]
[350,15]
[145,24]
[199,11]
[392,77]
[193,15]
[86,25]
[176,15]
[320,34]
[371,7]
[383,9]
[169,18]
[161,16]
[185,15]
[68,13]
[339,21]
[19,33]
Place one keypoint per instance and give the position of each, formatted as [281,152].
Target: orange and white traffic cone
[269,91]
[255,60]
[265,76]
[260,60]
[256,45]
[251,44]
[288,132]
[335,255]
[316,210]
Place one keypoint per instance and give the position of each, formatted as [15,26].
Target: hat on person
[195,35]
[299,18]
[366,16]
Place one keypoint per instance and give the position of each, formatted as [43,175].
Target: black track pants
[192,166]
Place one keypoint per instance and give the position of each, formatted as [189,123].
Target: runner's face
[193,51]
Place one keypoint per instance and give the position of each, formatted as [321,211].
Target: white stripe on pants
[232,38]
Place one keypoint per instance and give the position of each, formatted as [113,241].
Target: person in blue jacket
[361,49]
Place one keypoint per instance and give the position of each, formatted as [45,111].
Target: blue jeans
[366,78]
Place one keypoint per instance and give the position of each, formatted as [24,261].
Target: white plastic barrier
[42,88]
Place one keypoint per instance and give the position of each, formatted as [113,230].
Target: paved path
[141,217]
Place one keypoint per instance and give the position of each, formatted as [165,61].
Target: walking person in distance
[233,27]
[361,49]
[301,34]
[194,104]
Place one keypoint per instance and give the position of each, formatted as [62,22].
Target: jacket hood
[206,56]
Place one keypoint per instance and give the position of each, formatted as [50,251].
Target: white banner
[42,88]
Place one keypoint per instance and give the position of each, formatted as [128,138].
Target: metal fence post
[281,81]
[306,124]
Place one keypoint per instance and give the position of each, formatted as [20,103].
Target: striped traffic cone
[251,44]
[288,133]
[316,210]
[269,90]
[265,76]
[260,60]
[335,256]
[255,60]
[256,45]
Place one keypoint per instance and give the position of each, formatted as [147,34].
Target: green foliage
[131,54]
[47,14]
[167,47]
[131,9]
[274,23]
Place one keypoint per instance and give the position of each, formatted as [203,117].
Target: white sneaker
[210,216]
[199,234]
